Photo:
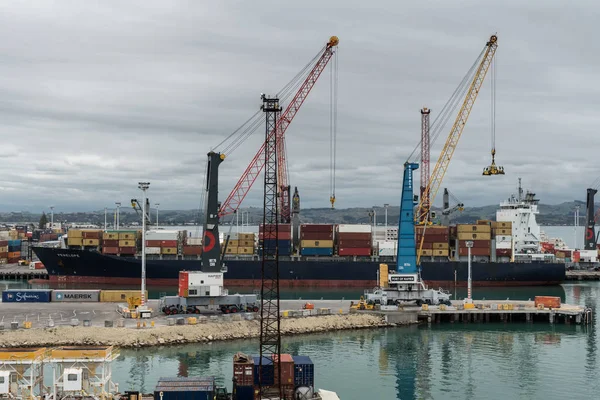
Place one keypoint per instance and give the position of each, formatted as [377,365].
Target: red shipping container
[243,373]
[281,227]
[425,245]
[475,251]
[184,283]
[126,250]
[271,235]
[354,251]
[153,243]
[346,243]
[14,260]
[316,235]
[3,255]
[92,235]
[353,236]
[168,243]
[110,243]
[547,301]
[316,228]
[503,252]
[3,243]
[287,369]
[192,250]
[110,250]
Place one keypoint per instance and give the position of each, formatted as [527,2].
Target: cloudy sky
[96,98]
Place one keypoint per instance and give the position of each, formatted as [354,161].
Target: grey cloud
[98,97]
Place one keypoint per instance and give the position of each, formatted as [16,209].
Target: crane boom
[443,161]
[239,192]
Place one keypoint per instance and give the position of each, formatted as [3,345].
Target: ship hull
[77,266]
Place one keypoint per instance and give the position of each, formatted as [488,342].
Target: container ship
[505,252]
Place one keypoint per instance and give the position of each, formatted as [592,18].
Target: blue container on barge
[26,296]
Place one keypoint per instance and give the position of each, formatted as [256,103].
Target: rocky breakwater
[180,334]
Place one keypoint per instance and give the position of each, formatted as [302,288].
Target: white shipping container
[152,250]
[503,238]
[162,235]
[193,241]
[347,228]
[386,251]
[503,245]
[4,235]
[197,278]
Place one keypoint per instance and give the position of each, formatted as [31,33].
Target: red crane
[425,157]
[239,192]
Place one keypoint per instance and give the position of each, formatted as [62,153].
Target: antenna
[520,191]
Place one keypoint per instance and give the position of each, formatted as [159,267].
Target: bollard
[14,325]
[120,323]
[87,323]
[180,321]
[341,311]
[171,321]
[108,324]
[139,324]
[50,323]
[74,322]
[192,320]
[27,324]
[144,324]
[152,324]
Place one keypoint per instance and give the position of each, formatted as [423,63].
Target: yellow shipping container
[441,246]
[119,296]
[426,252]
[504,224]
[4,249]
[110,236]
[231,250]
[91,242]
[440,252]
[74,241]
[317,243]
[232,243]
[473,228]
[484,222]
[246,236]
[127,235]
[245,250]
[167,250]
[503,232]
[474,236]
[75,233]
[245,243]
[126,243]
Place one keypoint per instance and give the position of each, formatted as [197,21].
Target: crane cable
[333,98]
[493,105]
[251,125]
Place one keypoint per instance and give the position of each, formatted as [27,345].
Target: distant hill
[558,214]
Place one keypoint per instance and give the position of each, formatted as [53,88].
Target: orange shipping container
[14,254]
[547,301]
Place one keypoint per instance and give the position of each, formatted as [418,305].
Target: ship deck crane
[447,210]
[311,72]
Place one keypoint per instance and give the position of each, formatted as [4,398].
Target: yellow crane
[423,209]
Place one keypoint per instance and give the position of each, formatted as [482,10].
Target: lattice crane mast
[240,190]
[425,156]
[424,206]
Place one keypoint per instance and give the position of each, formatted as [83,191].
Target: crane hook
[332,201]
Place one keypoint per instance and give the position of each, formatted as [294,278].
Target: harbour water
[451,361]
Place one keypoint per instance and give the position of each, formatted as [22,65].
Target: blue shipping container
[316,251]
[268,371]
[304,371]
[26,296]
[244,392]
[271,242]
[15,243]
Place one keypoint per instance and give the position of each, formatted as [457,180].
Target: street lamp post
[469,244]
[386,207]
[52,217]
[118,223]
[157,204]
[144,186]
[105,218]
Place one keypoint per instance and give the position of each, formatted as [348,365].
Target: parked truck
[204,292]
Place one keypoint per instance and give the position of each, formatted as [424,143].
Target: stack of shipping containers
[163,242]
[480,235]
[239,243]
[502,235]
[316,240]
[284,239]
[14,251]
[128,242]
[353,240]
[110,242]
[3,251]
[243,376]
[435,240]
[192,246]
[84,237]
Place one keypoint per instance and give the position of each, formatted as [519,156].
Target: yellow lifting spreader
[493,169]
